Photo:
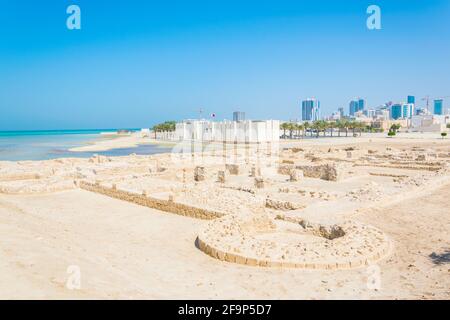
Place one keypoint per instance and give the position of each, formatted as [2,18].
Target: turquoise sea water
[52,144]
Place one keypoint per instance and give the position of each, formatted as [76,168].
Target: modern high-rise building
[396,111]
[310,110]
[361,104]
[356,105]
[402,111]
[439,107]
[353,107]
[412,99]
[238,116]
[407,110]
[341,112]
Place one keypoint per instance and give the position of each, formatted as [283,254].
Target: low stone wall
[15,177]
[410,167]
[329,171]
[388,175]
[154,203]
[234,240]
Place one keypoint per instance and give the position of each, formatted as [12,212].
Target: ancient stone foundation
[232,169]
[329,171]
[259,183]
[252,240]
[221,176]
[199,173]
[151,202]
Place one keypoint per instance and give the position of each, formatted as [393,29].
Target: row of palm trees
[321,126]
[165,126]
[168,126]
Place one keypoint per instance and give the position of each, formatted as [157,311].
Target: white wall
[229,131]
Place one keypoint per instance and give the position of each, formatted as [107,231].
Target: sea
[53,144]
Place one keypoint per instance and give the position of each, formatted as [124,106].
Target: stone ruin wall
[154,203]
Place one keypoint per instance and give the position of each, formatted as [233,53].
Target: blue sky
[136,63]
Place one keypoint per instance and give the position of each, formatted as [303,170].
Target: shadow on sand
[441,258]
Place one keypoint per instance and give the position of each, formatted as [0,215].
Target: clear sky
[135,63]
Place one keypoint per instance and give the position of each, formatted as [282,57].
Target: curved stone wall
[258,240]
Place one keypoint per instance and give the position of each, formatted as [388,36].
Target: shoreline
[118,141]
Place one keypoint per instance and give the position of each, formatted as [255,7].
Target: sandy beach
[118,141]
[100,215]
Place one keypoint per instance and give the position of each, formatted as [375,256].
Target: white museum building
[246,131]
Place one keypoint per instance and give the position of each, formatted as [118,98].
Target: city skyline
[138,65]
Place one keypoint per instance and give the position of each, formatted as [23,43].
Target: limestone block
[232,168]
[285,169]
[199,173]
[255,172]
[328,171]
[295,175]
[259,183]
[221,176]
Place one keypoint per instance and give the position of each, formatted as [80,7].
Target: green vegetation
[393,130]
[443,134]
[166,126]
[318,127]
[448,125]
[391,133]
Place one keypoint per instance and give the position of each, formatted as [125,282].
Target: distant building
[382,113]
[238,116]
[402,111]
[361,104]
[430,123]
[310,110]
[412,99]
[341,112]
[356,105]
[385,124]
[407,110]
[396,111]
[370,113]
[353,107]
[247,131]
[335,116]
[439,107]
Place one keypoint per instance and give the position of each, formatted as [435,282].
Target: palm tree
[324,126]
[339,126]
[352,126]
[301,128]
[284,127]
[361,126]
[306,125]
[344,124]
[316,126]
[291,128]
[331,126]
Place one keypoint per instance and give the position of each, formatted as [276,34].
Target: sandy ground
[127,251]
[110,142]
